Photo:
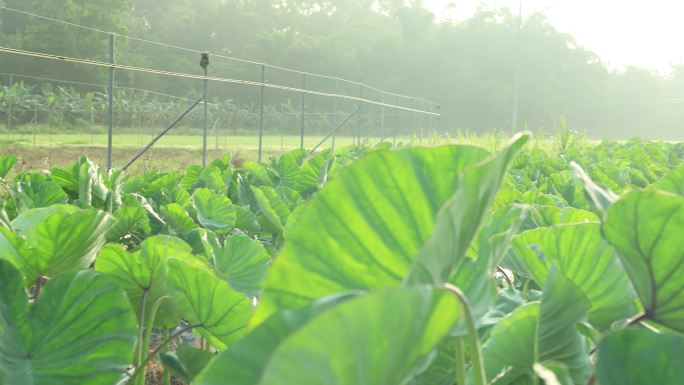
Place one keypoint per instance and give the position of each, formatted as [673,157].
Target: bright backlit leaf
[646,229]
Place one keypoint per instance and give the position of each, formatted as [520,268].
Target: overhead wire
[209,78]
[304,73]
[94,85]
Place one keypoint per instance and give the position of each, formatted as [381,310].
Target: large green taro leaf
[145,272]
[540,332]
[314,172]
[6,163]
[34,190]
[381,338]
[545,216]
[242,261]
[587,260]
[459,218]
[131,221]
[272,208]
[81,330]
[214,211]
[186,362]
[646,228]
[245,360]
[475,278]
[639,357]
[54,239]
[219,312]
[177,219]
[672,182]
[366,227]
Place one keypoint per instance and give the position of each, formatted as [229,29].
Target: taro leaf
[293,217]
[364,228]
[442,369]
[545,216]
[6,163]
[600,197]
[540,333]
[90,182]
[259,172]
[471,277]
[211,177]
[507,300]
[382,338]
[30,219]
[82,327]
[646,229]
[219,312]
[178,219]
[246,220]
[214,211]
[672,182]
[639,356]
[177,195]
[35,190]
[131,220]
[114,190]
[290,196]
[145,271]
[272,207]
[459,218]
[287,167]
[243,262]
[314,173]
[190,178]
[186,362]
[245,360]
[223,162]
[553,373]
[57,239]
[475,276]
[83,179]
[204,242]
[584,258]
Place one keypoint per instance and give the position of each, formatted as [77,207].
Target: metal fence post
[261,110]
[10,94]
[110,103]
[413,118]
[396,124]
[432,119]
[334,117]
[358,125]
[204,63]
[382,117]
[303,106]
[420,120]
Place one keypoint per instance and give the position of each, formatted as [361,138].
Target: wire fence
[245,105]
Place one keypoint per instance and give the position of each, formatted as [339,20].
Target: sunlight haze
[622,33]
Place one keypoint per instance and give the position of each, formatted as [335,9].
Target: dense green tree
[468,68]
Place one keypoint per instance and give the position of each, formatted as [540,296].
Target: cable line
[217,55]
[210,78]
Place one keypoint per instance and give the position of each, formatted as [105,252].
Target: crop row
[70,107]
[423,266]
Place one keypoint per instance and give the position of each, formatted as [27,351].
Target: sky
[622,32]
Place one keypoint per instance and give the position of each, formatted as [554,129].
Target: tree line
[467,68]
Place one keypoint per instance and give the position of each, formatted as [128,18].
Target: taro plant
[421,266]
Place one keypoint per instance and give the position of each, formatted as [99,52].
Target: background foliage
[468,68]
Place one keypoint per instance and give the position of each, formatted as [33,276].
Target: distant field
[172,152]
[183,141]
[44,151]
